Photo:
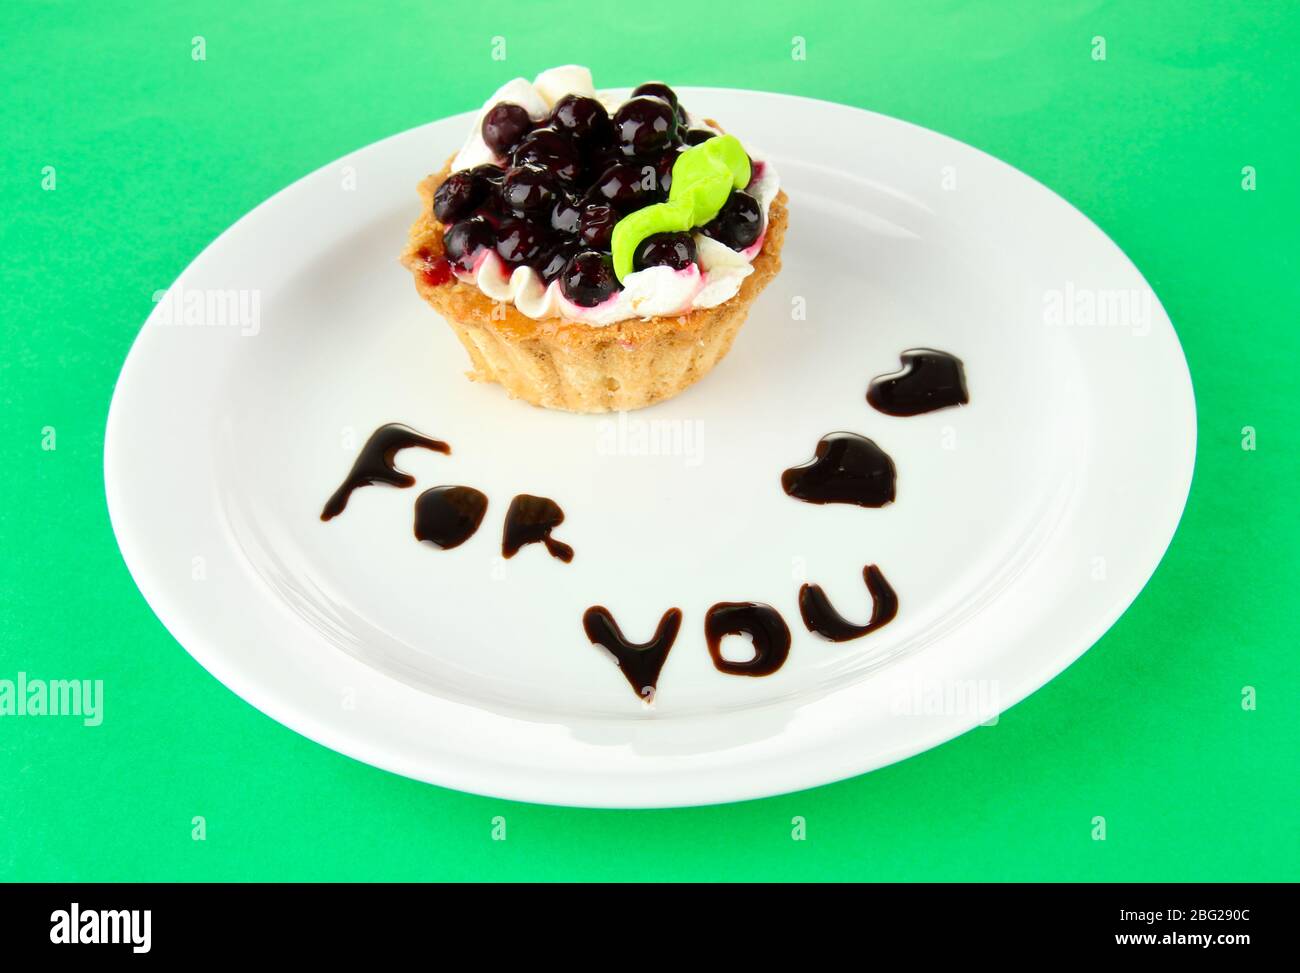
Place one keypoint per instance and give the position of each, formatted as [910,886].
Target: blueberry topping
[645,126]
[602,157]
[566,183]
[552,261]
[588,278]
[554,151]
[664,174]
[519,241]
[585,119]
[739,222]
[565,214]
[527,190]
[504,126]
[458,196]
[596,225]
[465,239]
[489,176]
[656,89]
[676,250]
[625,186]
[492,212]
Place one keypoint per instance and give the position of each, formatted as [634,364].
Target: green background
[156,154]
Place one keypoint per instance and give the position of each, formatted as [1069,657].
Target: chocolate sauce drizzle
[374,464]
[639,663]
[930,380]
[821,618]
[447,516]
[763,623]
[845,468]
[530,520]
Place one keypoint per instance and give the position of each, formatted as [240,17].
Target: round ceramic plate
[1025,522]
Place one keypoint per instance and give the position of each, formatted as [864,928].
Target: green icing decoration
[703,177]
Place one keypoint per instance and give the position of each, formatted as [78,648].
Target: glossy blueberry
[697,135]
[602,157]
[585,119]
[625,186]
[664,174]
[504,126]
[588,278]
[656,89]
[458,196]
[551,262]
[519,241]
[676,250]
[552,151]
[739,222]
[464,239]
[565,214]
[489,175]
[645,126]
[527,190]
[596,225]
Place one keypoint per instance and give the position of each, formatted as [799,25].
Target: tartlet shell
[576,367]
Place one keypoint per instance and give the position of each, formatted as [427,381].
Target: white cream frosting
[654,292]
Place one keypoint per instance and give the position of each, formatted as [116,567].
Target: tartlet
[674,310]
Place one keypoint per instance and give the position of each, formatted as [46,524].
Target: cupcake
[591,253]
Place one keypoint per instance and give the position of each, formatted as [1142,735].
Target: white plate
[1025,522]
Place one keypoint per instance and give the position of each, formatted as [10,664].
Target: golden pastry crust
[568,365]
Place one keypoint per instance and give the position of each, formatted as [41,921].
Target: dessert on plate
[595,253]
